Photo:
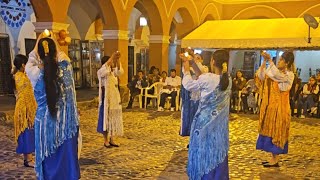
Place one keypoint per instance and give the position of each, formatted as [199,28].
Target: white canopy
[253,34]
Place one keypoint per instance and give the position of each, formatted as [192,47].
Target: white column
[54,26]
[115,34]
[159,39]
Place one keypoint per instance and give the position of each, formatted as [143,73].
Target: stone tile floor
[152,149]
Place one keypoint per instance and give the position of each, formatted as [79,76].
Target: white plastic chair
[140,96]
[156,95]
[177,99]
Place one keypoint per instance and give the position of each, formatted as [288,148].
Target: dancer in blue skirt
[190,101]
[25,111]
[56,123]
[209,136]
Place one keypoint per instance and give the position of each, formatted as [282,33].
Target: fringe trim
[51,132]
[114,122]
[275,114]
[209,140]
[26,105]
[23,118]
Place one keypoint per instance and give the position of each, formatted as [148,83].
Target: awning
[253,34]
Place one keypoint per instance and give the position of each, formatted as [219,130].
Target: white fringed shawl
[112,121]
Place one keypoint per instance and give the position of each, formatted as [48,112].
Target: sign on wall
[13,12]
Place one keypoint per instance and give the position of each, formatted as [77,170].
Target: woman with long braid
[56,123]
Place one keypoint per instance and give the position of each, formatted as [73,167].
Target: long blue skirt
[265,143]
[189,109]
[63,164]
[101,115]
[219,173]
[26,142]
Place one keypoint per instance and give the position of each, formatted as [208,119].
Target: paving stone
[152,149]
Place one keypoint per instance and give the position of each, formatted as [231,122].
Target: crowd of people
[168,87]
[46,117]
[304,98]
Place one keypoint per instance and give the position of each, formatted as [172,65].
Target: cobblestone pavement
[152,149]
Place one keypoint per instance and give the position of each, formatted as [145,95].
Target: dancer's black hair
[18,61]
[222,56]
[50,66]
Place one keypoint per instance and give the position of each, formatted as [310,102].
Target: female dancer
[25,111]
[110,109]
[209,136]
[275,110]
[190,101]
[56,123]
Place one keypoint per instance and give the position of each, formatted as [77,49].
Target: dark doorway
[130,62]
[29,45]
[5,66]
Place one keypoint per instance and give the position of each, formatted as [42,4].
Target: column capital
[54,26]
[159,39]
[115,34]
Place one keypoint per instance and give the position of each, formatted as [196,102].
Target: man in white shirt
[170,88]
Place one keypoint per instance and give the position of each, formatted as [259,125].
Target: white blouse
[284,80]
[32,69]
[105,71]
[206,83]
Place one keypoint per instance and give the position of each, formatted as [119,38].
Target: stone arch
[50,11]
[210,12]
[86,11]
[42,10]
[187,9]
[108,14]
[187,25]
[154,16]
[259,10]
[313,10]
[209,17]
[73,30]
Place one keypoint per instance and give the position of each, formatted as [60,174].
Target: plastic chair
[140,96]
[156,95]
[177,99]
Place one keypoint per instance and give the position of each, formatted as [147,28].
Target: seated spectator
[295,91]
[248,95]
[139,81]
[238,84]
[154,77]
[164,76]
[170,88]
[318,78]
[308,97]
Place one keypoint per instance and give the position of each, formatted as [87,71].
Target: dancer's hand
[40,66]
[265,56]
[35,49]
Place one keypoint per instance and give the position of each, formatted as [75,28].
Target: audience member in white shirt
[170,88]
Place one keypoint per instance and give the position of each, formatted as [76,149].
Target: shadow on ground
[274,173]
[178,159]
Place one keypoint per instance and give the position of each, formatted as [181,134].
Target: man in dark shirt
[139,81]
